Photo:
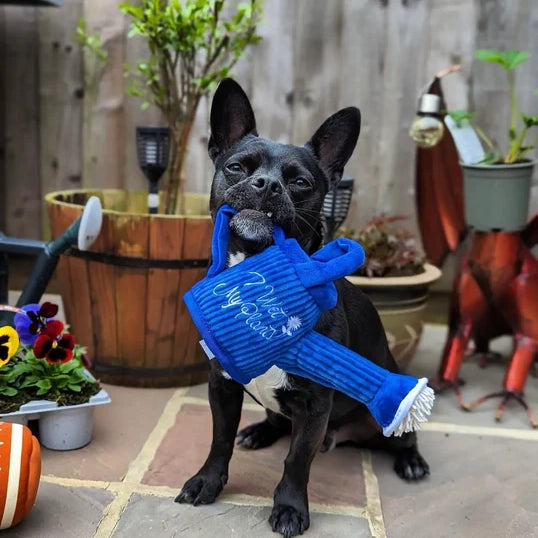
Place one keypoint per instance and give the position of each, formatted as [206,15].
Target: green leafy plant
[192,45]
[48,364]
[390,250]
[520,123]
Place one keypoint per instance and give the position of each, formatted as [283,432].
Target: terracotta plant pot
[123,297]
[401,302]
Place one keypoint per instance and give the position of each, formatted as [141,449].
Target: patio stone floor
[483,482]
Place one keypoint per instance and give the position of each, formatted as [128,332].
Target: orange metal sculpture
[495,293]
[496,290]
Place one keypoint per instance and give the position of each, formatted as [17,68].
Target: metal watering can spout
[82,233]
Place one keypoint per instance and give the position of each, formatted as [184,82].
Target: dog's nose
[266,185]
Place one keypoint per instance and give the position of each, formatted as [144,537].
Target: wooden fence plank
[401,79]
[60,100]
[3,82]
[317,53]
[104,140]
[23,197]
[316,57]
[272,72]
[364,34]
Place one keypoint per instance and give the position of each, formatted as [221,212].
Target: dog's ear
[232,117]
[334,142]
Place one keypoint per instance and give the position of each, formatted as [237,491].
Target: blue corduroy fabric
[251,312]
[332,365]
[262,312]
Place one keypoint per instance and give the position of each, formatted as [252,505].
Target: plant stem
[180,137]
[486,139]
[513,150]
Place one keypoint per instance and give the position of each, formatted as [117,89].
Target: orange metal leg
[514,379]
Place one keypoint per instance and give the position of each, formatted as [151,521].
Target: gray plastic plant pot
[497,196]
[60,427]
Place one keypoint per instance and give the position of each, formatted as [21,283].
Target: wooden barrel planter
[124,297]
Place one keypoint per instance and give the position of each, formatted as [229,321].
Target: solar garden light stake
[152,148]
[336,206]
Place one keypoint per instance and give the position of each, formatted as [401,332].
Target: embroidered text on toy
[252,310]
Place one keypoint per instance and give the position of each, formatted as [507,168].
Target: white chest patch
[263,387]
[234,259]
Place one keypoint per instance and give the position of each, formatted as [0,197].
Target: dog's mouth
[253,228]
[281,216]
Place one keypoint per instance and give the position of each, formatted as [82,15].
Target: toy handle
[220,240]
[335,260]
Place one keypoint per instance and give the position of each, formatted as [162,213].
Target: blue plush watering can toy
[262,313]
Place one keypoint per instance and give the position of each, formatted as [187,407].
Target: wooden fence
[316,56]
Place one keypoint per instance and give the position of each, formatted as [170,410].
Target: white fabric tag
[208,352]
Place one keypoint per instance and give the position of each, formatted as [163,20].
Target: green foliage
[508,59]
[390,251]
[8,385]
[192,45]
[26,377]
[53,379]
[517,130]
[189,39]
[91,42]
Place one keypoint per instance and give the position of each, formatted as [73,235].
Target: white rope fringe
[413,410]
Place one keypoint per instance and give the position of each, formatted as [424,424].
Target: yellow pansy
[9,344]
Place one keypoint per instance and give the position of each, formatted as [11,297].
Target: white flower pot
[60,427]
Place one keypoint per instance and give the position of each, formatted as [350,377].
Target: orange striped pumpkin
[20,471]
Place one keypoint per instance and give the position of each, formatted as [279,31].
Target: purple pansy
[30,324]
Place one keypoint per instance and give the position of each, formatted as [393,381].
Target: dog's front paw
[410,465]
[288,521]
[201,489]
[258,435]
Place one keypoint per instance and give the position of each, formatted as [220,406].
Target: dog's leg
[408,462]
[225,399]
[263,434]
[309,416]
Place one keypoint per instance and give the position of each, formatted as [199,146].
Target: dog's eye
[234,168]
[301,182]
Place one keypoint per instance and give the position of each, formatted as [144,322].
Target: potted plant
[44,376]
[147,338]
[396,277]
[497,188]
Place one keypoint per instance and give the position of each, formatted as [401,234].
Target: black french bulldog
[267,183]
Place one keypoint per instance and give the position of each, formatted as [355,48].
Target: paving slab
[479,486]
[62,512]
[121,429]
[479,381]
[336,477]
[152,516]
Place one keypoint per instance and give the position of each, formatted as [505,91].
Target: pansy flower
[34,319]
[52,345]
[9,344]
